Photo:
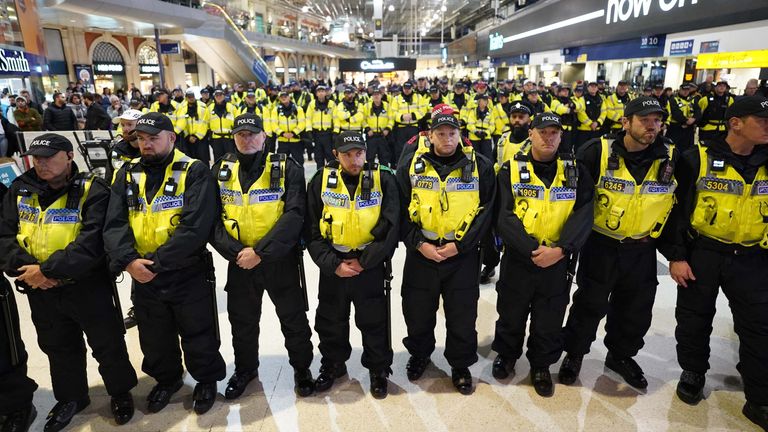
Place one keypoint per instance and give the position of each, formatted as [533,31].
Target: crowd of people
[538,179]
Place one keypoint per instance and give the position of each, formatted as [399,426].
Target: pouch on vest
[231,225]
[465,223]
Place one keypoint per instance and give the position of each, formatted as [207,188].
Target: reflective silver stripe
[431,235]
[345,249]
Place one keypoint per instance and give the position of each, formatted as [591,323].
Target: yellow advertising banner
[29,23]
[733,60]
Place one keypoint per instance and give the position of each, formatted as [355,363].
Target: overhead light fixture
[391,8]
[328,19]
[370,34]
[443,8]
[305,9]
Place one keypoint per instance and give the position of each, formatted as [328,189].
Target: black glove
[480,134]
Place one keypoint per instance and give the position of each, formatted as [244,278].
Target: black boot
[542,381]
[122,408]
[19,421]
[628,369]
[62,414]
[161,394]
[462,380]
[570,369]
[304,384]
[329,374]
[690,389]
[238,382]
[503,367]
[415,367]
[379,384]
[486,274]
[204,396]
[130,319]
[756,414]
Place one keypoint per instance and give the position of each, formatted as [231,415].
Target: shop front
[395,70]
[108,68]
[20,70]
[149,69]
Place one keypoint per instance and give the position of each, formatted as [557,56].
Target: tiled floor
[598,403]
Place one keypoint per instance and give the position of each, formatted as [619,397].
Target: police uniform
[541,203]
[378,122]
[161,211]
[61,231]
[120,153]
[319,119]
[614,111]
[219,119]
[589,109]
[634,193]
[353,217]
[713,108]
[449,201]
[289,119]
[348,115]
[481,125]
[510,142]
[721,230]
[262,199]
[16,387]
[564,107]
[190,122]
[401,105]
[681,108]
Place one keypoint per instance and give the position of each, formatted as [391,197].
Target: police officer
[544,217]
[713,106]
[50,233]
[262,199]
[511,141]
[634,193]
[348,114]
[534,102]
[377,127]
[458,98]
[590,114]
[682,118]
[481,126]
[720,242]
[351,230]
[158,222]
[288,123]
[319,122]
[407,108]
[191,126]
[16,388]
[126,146]
[164,104]
[250,104]
[219,117]
[501,115]
[614,108]
[448,191]
[563,106]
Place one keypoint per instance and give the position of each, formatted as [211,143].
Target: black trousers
[16,388]
[222,146]
[491,255]
[542,293]
[403,133]
[323,147]
[682,137]
[457,281]
[617,280]
[61,316]
[378,146]
[743,280]
[484,147]
[366,292]
[178,305]
[269,143]
[294,149]
[245,290]
[580,137]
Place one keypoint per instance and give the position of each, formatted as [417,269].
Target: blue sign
[709,47]
[653,41]
[8,173]
[626,49]
[683,47]
[170,48]
[259,68]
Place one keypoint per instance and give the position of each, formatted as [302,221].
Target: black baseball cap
[153,123]
[444,119]
[748,106]
[47,145]
[205,91]
[434,89]
[579,88]
[349,89]
[248,122]
[481,96]
[658,86]
[623,82]
[189,93]
[348,140]
[321,87]
[544,120]
[643,105]
[518,107]
[218,92]
[407,84]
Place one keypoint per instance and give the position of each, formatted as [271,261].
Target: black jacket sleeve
[13,255]
[48,120]
[118,236]
[283,237]
[589,156]
[508,226]
[410,233]
[320,250]
[385,233]
[483,220]
[578,226]
[676,112]
[188,241]
[83,255]
[673,243]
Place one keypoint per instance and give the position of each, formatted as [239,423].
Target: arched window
[147,55]
[105,52]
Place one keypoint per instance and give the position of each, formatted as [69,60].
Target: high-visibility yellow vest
[727,208]
[344,120]
[190,125]
[248,217]
[475,124]
[282,123]
[542,210]
[221,127]
[685,105]
[155,222]
[624,209]
[43,232]
[347,221]
[506,149]
[318,119]
[417,107]
[446,208]
[377,122]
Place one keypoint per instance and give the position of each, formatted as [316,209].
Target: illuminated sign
[376,65]
[108,68]
[735,60]
[149,69]
[623,10]
[13,61]
[496,42]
